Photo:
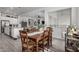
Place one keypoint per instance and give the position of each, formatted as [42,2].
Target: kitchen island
[12,31]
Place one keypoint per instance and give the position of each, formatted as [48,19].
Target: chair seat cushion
[30,44]
[45,42]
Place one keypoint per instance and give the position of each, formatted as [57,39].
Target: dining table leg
[37,46]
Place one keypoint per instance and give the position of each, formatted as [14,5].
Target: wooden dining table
[34,36]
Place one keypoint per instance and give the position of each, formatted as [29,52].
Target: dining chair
[40,42]
[43,40]
[49,29]
[46,40]
[27,44]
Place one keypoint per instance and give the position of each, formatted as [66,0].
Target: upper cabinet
[12,20]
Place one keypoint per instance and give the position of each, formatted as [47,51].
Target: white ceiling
[17,10]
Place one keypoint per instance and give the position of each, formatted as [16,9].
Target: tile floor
[8,44]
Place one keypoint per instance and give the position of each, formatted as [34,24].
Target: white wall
[26,19]
[75,16]
[64,17]
[53,18]
[61,19]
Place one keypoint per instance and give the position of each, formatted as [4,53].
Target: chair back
[49,29]
[44,36]
[50,36]
[24,37]
[46,33]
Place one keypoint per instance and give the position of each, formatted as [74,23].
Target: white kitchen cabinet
[7,30]
[15,32]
